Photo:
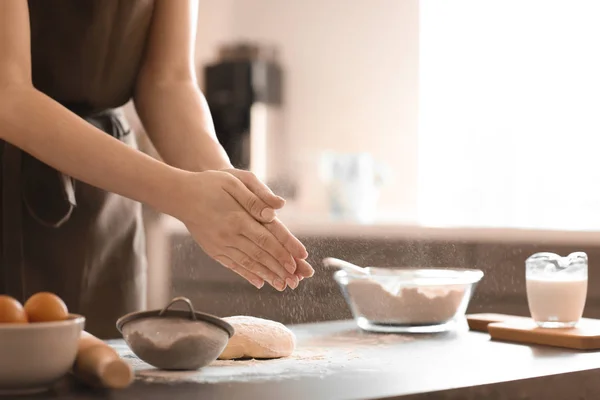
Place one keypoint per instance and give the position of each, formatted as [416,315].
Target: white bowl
[34,356]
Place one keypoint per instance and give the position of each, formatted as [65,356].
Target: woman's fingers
[248,200]
[265,259]
[285,237]
[264,239]
[255,267]
[258,188]
[254,279]
[303,269]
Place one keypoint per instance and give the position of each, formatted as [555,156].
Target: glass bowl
[408,300]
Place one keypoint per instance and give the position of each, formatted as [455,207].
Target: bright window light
[509,113]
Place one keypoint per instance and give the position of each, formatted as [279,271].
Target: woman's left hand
[276,227]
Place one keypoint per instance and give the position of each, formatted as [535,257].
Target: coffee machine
[244,90]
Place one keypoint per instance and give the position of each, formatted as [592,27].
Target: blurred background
[419,133]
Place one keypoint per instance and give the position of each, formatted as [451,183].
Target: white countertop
[313,226]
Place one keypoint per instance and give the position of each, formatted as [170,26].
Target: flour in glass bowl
[395,304]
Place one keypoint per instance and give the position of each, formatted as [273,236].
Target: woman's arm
[37,124]
[167,99]
[172,108]
[175,114]
[219,210]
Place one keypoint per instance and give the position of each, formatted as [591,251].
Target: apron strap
[13,274]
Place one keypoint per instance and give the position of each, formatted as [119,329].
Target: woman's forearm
[43,128]
[177,120]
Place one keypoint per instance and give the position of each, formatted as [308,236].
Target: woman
[66,67]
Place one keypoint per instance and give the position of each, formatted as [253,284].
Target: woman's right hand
[240,231]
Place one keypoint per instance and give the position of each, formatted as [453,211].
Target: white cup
[353,184]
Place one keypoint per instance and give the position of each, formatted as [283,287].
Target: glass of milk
[556,288]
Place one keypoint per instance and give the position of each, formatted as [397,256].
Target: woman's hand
[257,187]
[239,230]
[263,192]
[303,268]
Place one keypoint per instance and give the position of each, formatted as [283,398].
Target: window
[509,113]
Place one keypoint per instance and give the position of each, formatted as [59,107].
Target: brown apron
[70,238]
[62,235]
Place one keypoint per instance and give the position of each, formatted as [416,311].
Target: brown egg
[46,307]
[11,311]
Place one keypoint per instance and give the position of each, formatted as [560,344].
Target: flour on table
[315,356]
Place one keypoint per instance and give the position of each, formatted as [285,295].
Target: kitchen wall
[351,81]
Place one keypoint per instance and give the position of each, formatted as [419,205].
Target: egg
[11,311]
[46,307]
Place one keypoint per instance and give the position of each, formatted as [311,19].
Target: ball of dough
[258,338]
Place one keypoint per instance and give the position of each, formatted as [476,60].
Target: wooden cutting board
[585,336]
